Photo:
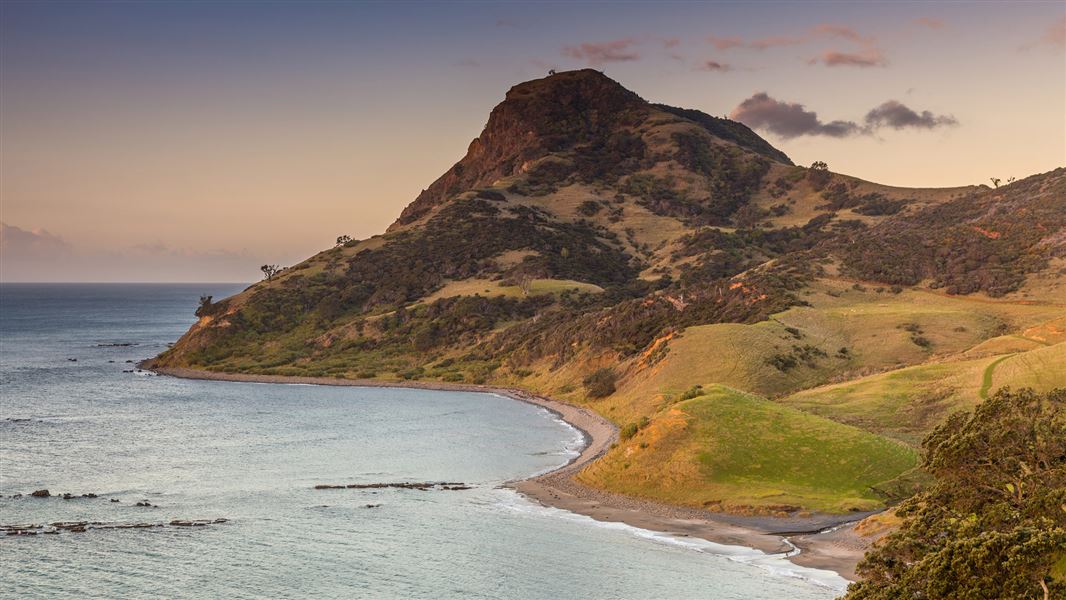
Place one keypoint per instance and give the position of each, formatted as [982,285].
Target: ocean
[243,459]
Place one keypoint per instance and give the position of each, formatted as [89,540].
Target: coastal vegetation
[993,523]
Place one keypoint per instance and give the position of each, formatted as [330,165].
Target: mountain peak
[579,116]
[588,86]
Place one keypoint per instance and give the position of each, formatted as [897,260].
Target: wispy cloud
[725,43]
[775,41]
[866,54]
[840,31]
[791,119]
[714,66]
[871,57]
[597,53]
[1054,36]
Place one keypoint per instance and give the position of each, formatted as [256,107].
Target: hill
[770,338]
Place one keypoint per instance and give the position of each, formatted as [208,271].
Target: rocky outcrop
[536,118]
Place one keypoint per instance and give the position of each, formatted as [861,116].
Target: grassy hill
[618,254]
[725,450]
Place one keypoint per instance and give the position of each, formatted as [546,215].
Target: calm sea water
[72,419]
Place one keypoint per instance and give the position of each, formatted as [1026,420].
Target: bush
[631,429]
[693,392]
[589,208]
[992,524]
[600,383]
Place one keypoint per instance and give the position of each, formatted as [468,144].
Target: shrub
[600,383]
[991,526]
[693,392]
[491,195]
[589,208]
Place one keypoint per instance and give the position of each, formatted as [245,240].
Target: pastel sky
[194,141]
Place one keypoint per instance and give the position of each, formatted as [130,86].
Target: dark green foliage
[818,175]
[693,392]
[600,383]
[544,178]
[631,429]
[628,326]
[606,159]
[985,242]
[589,208]
[806,354]
[205,307]
[457,243]
[881,206]
[993,525]
[730,130]
[732,175]
[491,195]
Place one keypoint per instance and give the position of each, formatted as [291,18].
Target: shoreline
[837,551]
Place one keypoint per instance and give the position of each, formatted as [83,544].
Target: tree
[819,175]
[205,305]
[995,181]
[269,271]
[600,383]
[343,239]
[993,525]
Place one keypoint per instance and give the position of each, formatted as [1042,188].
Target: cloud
[713,65]
[671,42]
[870,57]
[1055,34]
[725,43]
[596,53]
[840,31]
[18,243]
[896,115]
[866,54]
[469,62]
[930,22]
[788,119]
[791,120]
[775,41]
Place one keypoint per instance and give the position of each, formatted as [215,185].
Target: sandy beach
[839,550]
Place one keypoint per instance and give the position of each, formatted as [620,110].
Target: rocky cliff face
[559,113]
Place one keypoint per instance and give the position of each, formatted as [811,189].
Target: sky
[195,141]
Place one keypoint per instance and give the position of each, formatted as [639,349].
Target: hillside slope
[670,270]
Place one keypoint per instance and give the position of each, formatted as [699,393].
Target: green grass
[1042,369]
[904,404]
[986,376]
[735,451]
